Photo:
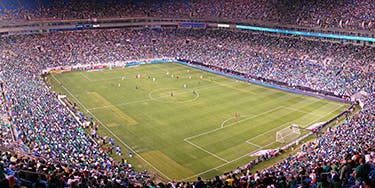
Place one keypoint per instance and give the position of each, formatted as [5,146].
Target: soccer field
[181,122]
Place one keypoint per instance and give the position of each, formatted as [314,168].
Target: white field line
[121,104]
[107,71]
[215,82]
[114,135]
[215,168]
[202,149]
[234,123]
[176,102]
[263,133]
[231,161]
[148,99]
[246,155]
[228,86]
[256,145]
[97,80]
[214,130]
[203,172]
[186,139]
[108,79]
[136,101]
[208,132]
[302,111]
[84,76]
[247,141]
[222,124]
[290,122]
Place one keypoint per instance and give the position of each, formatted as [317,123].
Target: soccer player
[111,141]
[118,150]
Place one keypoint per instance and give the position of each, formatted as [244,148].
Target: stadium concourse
[344,156]
[354,14]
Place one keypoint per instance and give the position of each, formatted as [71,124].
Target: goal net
[288,134]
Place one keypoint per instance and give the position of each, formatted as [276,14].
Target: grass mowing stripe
[115,111]
[165,163]
[248,141]
[202,149]
[163,126]
[219,128]
[148,99]
[113,134]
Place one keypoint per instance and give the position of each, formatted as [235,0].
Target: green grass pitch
[180,121]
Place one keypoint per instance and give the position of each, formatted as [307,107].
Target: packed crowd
[6,139]
[306,63]
[62,153]
[343,156]
[349,14]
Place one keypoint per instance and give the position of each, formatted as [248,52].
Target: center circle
[173,95]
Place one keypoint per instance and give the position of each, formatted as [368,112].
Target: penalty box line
[282,125]
[187,140]
[234,160]
[271,130]
[228,162]
[247,141]
[223,127]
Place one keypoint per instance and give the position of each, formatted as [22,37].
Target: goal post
[288,134]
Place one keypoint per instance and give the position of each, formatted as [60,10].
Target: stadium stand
[6,129]
[269,57]
[353,15]
[343,156]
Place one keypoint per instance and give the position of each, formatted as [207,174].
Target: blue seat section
[10,4]
[44,2]
[1,7]
[15,6]
[28,4]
